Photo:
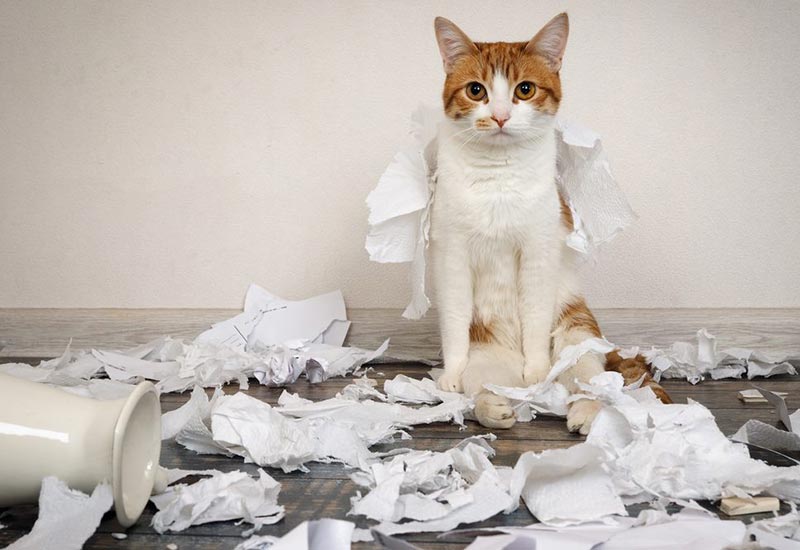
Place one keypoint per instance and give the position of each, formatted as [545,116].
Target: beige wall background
[167,153]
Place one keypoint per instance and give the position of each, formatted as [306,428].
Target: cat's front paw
[536,370]
[581,414]
[450,380]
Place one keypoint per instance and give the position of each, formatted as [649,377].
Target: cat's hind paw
[581,414]
[494,411]
[450,381]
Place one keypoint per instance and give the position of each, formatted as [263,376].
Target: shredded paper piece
[321,534]
[67,518]
[400,203]
[273,340]
[761,434]
[696,361]
[221,497]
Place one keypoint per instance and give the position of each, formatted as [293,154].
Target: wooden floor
[326,490]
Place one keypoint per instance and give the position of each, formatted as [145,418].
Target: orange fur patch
[634,368]
[479,333]
[509,59]
[566,214]
[577,316]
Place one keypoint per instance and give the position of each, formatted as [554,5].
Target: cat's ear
[551,41]
[453,43]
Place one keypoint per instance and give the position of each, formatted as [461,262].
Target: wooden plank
[45,332]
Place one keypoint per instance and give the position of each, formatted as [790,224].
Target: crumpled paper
[677,451]
[273,340]
[298,431]
[779,532]
[696,361]
[221,497]
[67,518]
[431,488]
[651,530]
[399,205]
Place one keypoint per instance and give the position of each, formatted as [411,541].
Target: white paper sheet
[566,486]
[67,518]
[271,320]
[678,451]
[321,534]
[763,435]
[221,497]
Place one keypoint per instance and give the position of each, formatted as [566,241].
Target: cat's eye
[525,90]
[476,91]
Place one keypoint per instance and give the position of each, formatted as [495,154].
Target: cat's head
[502,92]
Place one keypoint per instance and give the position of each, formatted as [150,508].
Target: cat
[508,294]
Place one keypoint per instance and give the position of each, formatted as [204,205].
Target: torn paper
[221,497]
[585,179]
[678,451]
[252,429]
[400,203]
[321,534]
[779,532]
[67,518]
[435,491]
[270,320]
[763,435]
[696,361]
[566,486]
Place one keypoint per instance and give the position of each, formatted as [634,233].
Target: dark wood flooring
[326,490]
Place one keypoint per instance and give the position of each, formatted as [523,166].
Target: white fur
[498,248]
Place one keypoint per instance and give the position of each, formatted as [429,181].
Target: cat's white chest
[498,200]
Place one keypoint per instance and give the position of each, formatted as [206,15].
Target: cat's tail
[634,368]
[577,323]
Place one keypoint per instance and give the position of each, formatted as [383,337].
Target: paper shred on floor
[221,497]
[67,518]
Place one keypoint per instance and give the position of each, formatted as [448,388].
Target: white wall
[167,153]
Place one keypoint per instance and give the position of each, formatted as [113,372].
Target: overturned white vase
[45,431]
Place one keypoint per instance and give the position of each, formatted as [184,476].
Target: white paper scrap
[696,361]
[221,497]
[566,486]
[67,518]
[252,429]
[678,451]
[321,534]
[271,320]
[485,498]
[584,177]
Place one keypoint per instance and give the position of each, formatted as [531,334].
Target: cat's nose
[500,119]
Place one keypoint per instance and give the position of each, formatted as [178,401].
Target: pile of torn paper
[696,361]
[273,340]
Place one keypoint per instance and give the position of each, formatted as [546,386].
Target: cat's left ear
[551,41]
[453,43]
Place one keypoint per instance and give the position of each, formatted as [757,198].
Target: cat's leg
[453,282]
[492,364]
[576,323]
[538,285]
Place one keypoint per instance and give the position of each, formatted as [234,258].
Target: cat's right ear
[453,43]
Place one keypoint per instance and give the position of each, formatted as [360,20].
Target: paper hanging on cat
[400,203]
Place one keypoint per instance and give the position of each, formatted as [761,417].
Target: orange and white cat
[508,294]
